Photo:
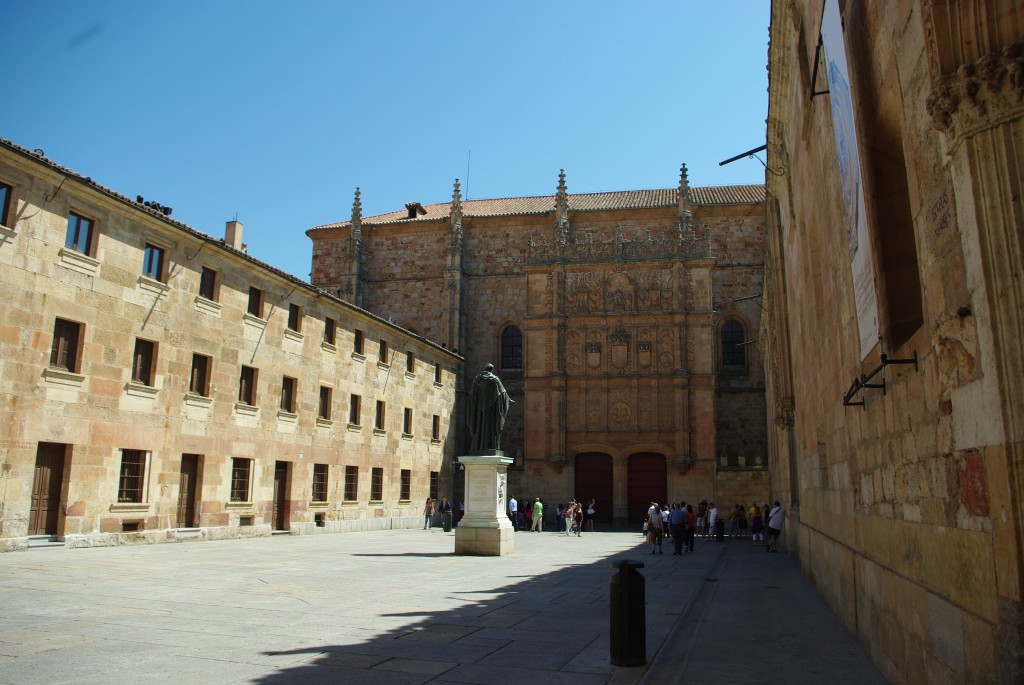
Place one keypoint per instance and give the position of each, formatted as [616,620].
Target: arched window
[733,354]
[511,349]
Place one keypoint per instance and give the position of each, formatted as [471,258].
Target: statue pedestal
[485,529]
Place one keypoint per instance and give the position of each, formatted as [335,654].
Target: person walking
[428,513]
[677,527]
[712,518]
[776,519]
[570,516]
[538,515]
[654,523]
[691,527]
[756,525]
[513,513]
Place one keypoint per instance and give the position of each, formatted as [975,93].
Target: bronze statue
[488,406]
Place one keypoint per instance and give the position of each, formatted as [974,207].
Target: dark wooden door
[280,495]
[647,483]
[46,487]
[594,481]
[187,490]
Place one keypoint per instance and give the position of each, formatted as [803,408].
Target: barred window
[732,348]
[377,484]
[351,483]
[133,476]
[511,349]
[406,486]
[319,482]
[241,476]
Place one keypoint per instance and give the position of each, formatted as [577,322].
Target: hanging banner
[855,216]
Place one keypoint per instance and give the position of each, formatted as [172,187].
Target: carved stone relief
[666,345]
[618,343]
[600,292]
[572,352]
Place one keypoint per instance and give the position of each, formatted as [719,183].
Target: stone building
[894,317]
[158,384]
[622,324]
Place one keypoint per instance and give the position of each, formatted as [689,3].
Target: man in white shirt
[513,512]
[654,527]
[776,517]
[712,518]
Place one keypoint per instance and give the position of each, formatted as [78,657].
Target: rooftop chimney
[233,235]
[414,209]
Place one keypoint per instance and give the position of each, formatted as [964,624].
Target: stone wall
[905,500]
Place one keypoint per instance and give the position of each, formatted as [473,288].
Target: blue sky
[276,111]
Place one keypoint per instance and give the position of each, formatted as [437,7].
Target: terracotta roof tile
[520,206]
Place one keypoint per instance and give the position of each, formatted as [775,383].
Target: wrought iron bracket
[863,382]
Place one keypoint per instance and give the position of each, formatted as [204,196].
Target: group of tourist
[571,519]
[681,524]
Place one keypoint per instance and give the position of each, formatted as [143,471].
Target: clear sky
[276,111]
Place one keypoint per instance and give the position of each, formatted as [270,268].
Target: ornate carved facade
[612,298]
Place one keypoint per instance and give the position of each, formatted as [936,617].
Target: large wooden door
[46,486]
[281,495]
[187,490]
[647,483]
[594,481]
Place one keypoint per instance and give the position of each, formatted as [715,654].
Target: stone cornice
[979,95]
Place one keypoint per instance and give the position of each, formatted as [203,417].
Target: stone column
[485,529]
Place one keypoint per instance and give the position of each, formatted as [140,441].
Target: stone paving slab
[399,607]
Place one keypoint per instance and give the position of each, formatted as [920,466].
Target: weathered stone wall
[96,410]
[905,511]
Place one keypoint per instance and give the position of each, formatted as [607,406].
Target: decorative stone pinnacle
[684,192]
[561,210]
[357,216]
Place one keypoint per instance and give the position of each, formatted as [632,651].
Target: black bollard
[628,630]
[720,530]
[447,516]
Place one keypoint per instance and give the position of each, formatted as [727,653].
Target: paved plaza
[399,607]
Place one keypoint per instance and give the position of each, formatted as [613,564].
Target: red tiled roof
[582,202]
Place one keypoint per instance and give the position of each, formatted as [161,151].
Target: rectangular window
[407,421]
[319,482]
[406,488]
[143,361]
[64,353]
[5,203]
[358,344]
[255,302]
[288,389]
[383,352]
[378,417]
[354,403]
[208,284]
[133,476]
[153,262]
[241,475]
[199,381]
[435,479]
[410,362]
[437,374]
[376,484]
[325,403]
[330,330]
[294,317]
[435,428]
[79,236]
[351,483]
[247,386]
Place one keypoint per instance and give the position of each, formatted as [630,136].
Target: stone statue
[488,406]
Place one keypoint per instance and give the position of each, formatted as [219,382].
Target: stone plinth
[485,529]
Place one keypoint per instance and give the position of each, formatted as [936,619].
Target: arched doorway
[594,481]
[646,482]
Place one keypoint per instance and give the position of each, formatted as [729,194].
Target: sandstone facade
[603,313]
[158,384]
[903,480]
